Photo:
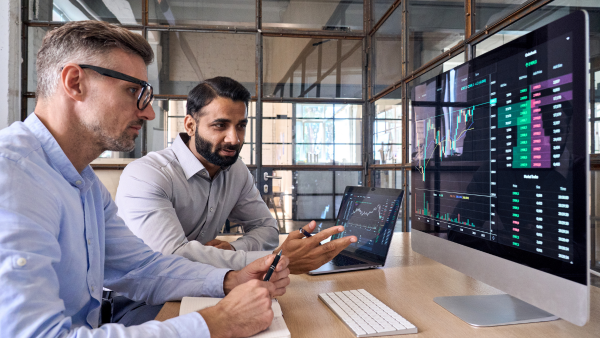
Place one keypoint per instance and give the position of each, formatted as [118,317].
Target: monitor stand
[493,310]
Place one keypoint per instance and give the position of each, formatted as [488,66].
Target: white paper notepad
[278,329]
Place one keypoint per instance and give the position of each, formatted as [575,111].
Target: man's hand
[305,254]
[219,244]
[257,271]
[245,311]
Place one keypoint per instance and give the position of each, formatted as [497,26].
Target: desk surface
[408,283]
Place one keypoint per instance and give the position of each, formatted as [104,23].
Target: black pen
[306,233]
[273,266]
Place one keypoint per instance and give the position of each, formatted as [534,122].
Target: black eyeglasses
[146,95]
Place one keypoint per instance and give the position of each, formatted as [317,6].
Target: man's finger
[336,246]
[283,263]
[269,286]
[326,233]
[282,282]
[308,228]
[214,242]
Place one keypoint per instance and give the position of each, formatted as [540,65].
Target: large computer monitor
[500,176]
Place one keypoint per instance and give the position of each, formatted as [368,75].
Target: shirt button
[89,242]
[78,182]
[202,233]
[211,209]
[204,173]
[93,288]
[21,261]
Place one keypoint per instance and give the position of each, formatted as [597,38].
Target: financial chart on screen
[493,150]
[370,216]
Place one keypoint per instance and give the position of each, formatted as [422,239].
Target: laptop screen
[370,214]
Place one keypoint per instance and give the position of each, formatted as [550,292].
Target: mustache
[138,123]
[229,146]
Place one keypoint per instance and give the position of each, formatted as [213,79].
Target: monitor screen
[499,152]
[370,214]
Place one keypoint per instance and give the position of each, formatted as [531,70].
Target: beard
[124,142]
[205,149]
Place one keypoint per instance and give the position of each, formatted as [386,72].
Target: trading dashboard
[497,147]
[370,215]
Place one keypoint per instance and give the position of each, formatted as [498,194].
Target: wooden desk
[407,284]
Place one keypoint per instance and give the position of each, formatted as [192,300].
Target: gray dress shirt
[168,199]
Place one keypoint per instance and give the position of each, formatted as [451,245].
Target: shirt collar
[189,162]
[56,156]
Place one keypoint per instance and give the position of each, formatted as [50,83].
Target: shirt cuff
[190,325]
[213,284]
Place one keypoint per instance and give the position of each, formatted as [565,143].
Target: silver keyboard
[366,315]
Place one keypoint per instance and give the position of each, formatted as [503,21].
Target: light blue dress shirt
[61,241]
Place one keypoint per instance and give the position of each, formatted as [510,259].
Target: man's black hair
[220,86]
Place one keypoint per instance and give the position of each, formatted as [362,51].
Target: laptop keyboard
[340,260]
[366,315]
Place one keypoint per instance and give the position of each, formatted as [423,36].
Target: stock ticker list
[491,149]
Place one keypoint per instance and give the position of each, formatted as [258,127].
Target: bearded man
[178,199]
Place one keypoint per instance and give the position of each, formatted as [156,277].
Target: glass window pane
[30,106]
[118,12]
[183,59]
[314,130]
[156,128]
[596,99]
[310,131]
[388,179]
[347,178]
[277,134]
[595,220]
[277,154]
[314,154]
[336,15]
[596,137]
[314,207]
[348,111]
[283,190]
[348,131]
[387,49]
[230,13]
[347,154]
[305,67]
[488,12]
[434,27]
[314,182]
[379,7]
[34,42]
[387,129]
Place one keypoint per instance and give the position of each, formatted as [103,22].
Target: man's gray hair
[83,42]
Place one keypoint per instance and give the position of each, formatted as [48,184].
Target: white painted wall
[10,61]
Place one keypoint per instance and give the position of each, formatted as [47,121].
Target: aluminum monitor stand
[493,310]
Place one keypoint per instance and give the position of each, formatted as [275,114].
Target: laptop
[370,214]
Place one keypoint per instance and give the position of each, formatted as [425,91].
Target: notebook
[278,329]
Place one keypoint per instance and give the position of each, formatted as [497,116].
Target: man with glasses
[61,240]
